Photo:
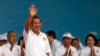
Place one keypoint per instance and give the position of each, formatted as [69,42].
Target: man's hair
[36,17]
[94,38]
[51,33]
[77,39]
[10,32]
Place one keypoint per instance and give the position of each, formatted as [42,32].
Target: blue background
[78,17]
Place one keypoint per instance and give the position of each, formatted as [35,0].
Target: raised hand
[33,10]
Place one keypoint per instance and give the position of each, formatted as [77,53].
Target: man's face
[50,39]
[67,41]
[75,43]
[36,25]
[12,38]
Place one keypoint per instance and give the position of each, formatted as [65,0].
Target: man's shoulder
[42,33]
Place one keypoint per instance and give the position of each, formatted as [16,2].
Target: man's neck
[36,32]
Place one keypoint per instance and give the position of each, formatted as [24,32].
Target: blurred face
[90,41]
[75,43]
[50,39]
[12,38]
[98,43]
[22,43]
[67,41]
[36,25]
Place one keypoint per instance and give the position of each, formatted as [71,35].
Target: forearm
[28,23]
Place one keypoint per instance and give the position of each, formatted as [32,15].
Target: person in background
[2,42]
[66,49]
[54,43]
[5,51]
[21,42]
[11,44]
[75,43]
[90,49]
[98,43]
[36,42]
[3,39]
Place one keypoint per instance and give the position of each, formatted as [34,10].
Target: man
[54,43]
[5,52]
[76,44]
[36,42]
[12,46]
[66,49]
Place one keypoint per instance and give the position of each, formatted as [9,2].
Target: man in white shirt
[12,46]
[5,52]
[66,49]
[76,44]
[54,43]
[36,42]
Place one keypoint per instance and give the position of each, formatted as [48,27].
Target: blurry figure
[66,49]
[90,49]
[80,44]
[5,51]
[11,44]
[3,39]
[2,42]
[21,42]
[76,44]
[54,43]
[98,43]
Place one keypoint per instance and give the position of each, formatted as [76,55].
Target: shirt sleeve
[25,35]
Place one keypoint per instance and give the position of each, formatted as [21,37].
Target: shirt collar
[54,41]
[40,33]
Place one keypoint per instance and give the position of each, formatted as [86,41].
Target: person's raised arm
[32,12]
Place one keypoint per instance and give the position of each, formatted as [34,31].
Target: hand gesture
[92,52]
[66,53]
[33,10]
[70,53]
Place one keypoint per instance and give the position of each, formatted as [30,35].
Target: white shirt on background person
[61,51]
[86,51]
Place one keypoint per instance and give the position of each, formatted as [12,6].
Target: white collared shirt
[61,51]
[36,45]
[86,51]
[16,51]
[5,52]
[56,44]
